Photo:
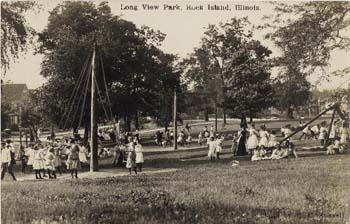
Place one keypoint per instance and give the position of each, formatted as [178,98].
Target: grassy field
[311,189]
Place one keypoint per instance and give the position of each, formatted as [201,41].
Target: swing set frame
[336,110]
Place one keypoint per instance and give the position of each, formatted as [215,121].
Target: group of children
[276,152]
[135,159]
[46,159]
[260,139]
[215,146]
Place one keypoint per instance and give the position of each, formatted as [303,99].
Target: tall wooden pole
[216,117]
[93,134]
[175,121]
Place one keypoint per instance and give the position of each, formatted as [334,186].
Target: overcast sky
[183,31]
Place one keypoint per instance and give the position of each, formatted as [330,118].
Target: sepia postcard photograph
[175,111]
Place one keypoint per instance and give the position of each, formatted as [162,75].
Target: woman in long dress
[242,138]
[252,141]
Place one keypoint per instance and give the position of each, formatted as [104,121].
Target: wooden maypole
[175,120]
[93,133]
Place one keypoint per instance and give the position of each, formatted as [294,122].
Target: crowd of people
[262,144]
[46,159]
[69,153]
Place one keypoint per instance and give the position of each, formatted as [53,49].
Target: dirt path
[103,173]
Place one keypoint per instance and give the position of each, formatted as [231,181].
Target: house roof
[13,92]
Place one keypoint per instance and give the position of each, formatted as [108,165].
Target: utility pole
[93,133]
[216,117]
[175,121]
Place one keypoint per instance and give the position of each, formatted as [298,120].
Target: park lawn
[304,190]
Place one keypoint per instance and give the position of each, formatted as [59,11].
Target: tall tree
[306,41]
[135,69]
[15,32]
[314,30]
[292,91]
[234,67]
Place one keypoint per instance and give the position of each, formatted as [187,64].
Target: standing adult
[6,161]
[242,138]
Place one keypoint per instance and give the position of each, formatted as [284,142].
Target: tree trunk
[290,112]
[206,114]
[216,118]
[136,120]
[128,123]
[224,113]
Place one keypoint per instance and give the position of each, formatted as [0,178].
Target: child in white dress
[58,161]
[252,141]
[212,148]
[234,144]
[200,138]
[73,160]
[38,165]
[276,152]
[256,154]
[139,155]
[322,135]
[30,153]
[82,154]
[50,163]
[330,149]
[131,158]
[264,137]
[344,134]
[218,150]
[272,141]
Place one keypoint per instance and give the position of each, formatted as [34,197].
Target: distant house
[14,96]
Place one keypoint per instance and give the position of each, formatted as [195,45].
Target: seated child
[342,149]
[291,151]
[263,153]
[330,149]
[256,154]
[337,145]
[276,152]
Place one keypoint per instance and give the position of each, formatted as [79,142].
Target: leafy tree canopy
[16,34]
[136,70]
